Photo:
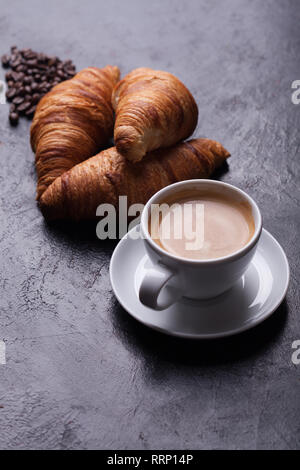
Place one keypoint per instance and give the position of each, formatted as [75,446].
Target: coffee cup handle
[152,284]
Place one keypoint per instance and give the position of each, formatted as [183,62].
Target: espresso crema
[202,226]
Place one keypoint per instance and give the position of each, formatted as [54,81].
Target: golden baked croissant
[72,122]
[153,110]
[108,175]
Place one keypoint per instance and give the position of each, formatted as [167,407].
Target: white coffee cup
[172,276]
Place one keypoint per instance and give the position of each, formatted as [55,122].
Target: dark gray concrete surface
[80,372]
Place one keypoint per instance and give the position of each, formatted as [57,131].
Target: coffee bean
[52,61]
[20,68]
[70,71]
[8,76]
[68,66]
[34,86]
[32,63]
[14,118]
[15,64]
[18,100]
[11,94]
[33,75]
[24,106]
[5,60]
[30,112]
[27,80]
[22,91]
[35,98]
[14,76]
[41,58]
[29,54]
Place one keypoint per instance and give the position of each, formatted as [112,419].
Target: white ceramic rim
[211,261]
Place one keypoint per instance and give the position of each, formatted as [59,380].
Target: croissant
[153,110]
[103,178]
[72,122]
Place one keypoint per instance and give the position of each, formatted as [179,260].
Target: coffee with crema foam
[202,225]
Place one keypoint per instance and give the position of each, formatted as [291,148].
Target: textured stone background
[80,372]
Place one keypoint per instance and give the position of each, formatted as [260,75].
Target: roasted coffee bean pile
[33,74]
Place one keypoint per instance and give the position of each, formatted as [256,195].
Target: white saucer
[253,299]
